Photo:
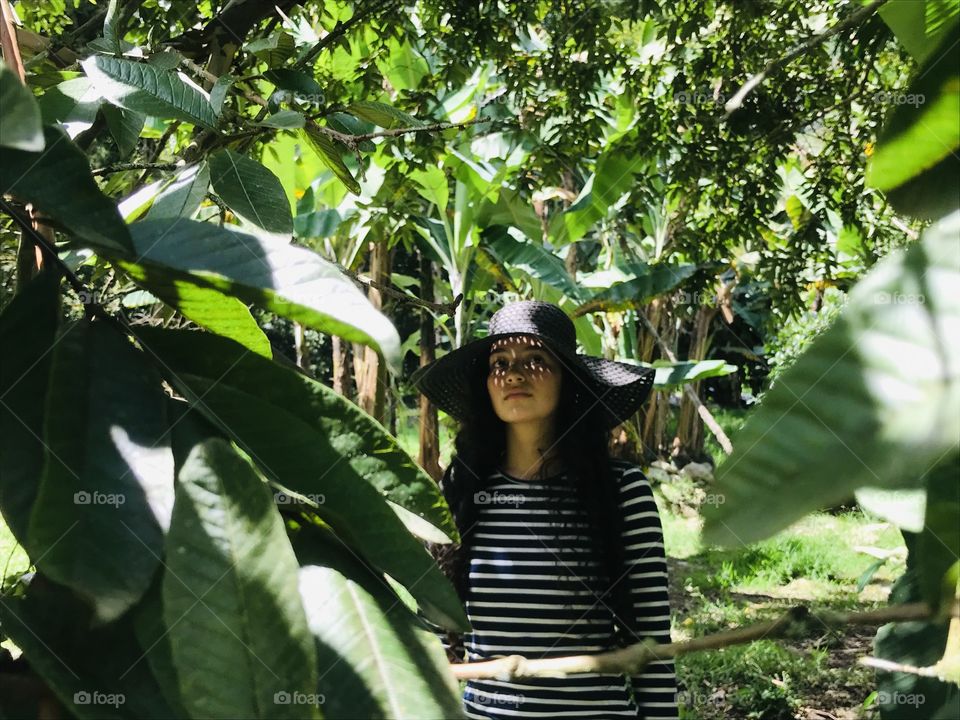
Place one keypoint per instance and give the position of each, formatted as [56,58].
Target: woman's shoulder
[626,468]
[629,477]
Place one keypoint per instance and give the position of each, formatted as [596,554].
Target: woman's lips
[517,395]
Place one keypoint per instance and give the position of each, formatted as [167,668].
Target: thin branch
[122,167]
[448,308]
[92,309]
[339,31]
[736,101]
[797,622]
[422,128]
[890,666]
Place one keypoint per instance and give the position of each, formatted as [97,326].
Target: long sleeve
[655,688]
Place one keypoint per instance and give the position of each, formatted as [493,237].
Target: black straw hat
[613,390]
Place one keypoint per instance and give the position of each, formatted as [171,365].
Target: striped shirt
[535,586]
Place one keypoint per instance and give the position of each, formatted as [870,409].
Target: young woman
[562,549]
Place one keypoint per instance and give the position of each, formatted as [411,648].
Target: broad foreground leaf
[363,444]
[871,403]
[149,89]
[177,255]
[285,427]
[251,191]
[58,182]
[97,672]
[374,657]
[20,126]
[28,328]
[238,633]
[106,491]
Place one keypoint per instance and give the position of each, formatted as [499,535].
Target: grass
[820,561]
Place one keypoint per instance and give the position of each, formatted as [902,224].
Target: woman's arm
[655,688]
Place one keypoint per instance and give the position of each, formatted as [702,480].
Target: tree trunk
[341,375]
[370,371]
[660,316]
[688,442]
[300,346]
[429,458]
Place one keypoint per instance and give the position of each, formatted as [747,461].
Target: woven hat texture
[611,390]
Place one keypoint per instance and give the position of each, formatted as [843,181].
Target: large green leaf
[513,210]
[872,402]
[532,259]
[386,116]
[315,443]
[209,308]
[375,658]
[680,373]
[612,178]
[238,632]
[97,672]
[58,182]
[358,439]
[916,160]
[920,25]
[153,637]
[329,151]
[28,328]
[20,127]
[106,491]
[251,191]
[646,283]
[183,196]
[291,281]
[150,90]
[125,126]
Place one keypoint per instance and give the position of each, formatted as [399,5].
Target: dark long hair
[480,446]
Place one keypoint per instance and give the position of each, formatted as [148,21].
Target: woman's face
[524,380]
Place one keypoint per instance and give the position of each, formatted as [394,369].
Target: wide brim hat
[612,391]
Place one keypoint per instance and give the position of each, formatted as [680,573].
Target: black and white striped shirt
[535,585]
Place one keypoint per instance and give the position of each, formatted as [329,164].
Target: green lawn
[817,562]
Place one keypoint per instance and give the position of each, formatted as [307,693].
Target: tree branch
[339,30]
[447,308]
[45,246]
[797,622]
[122,167]
[736,101]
